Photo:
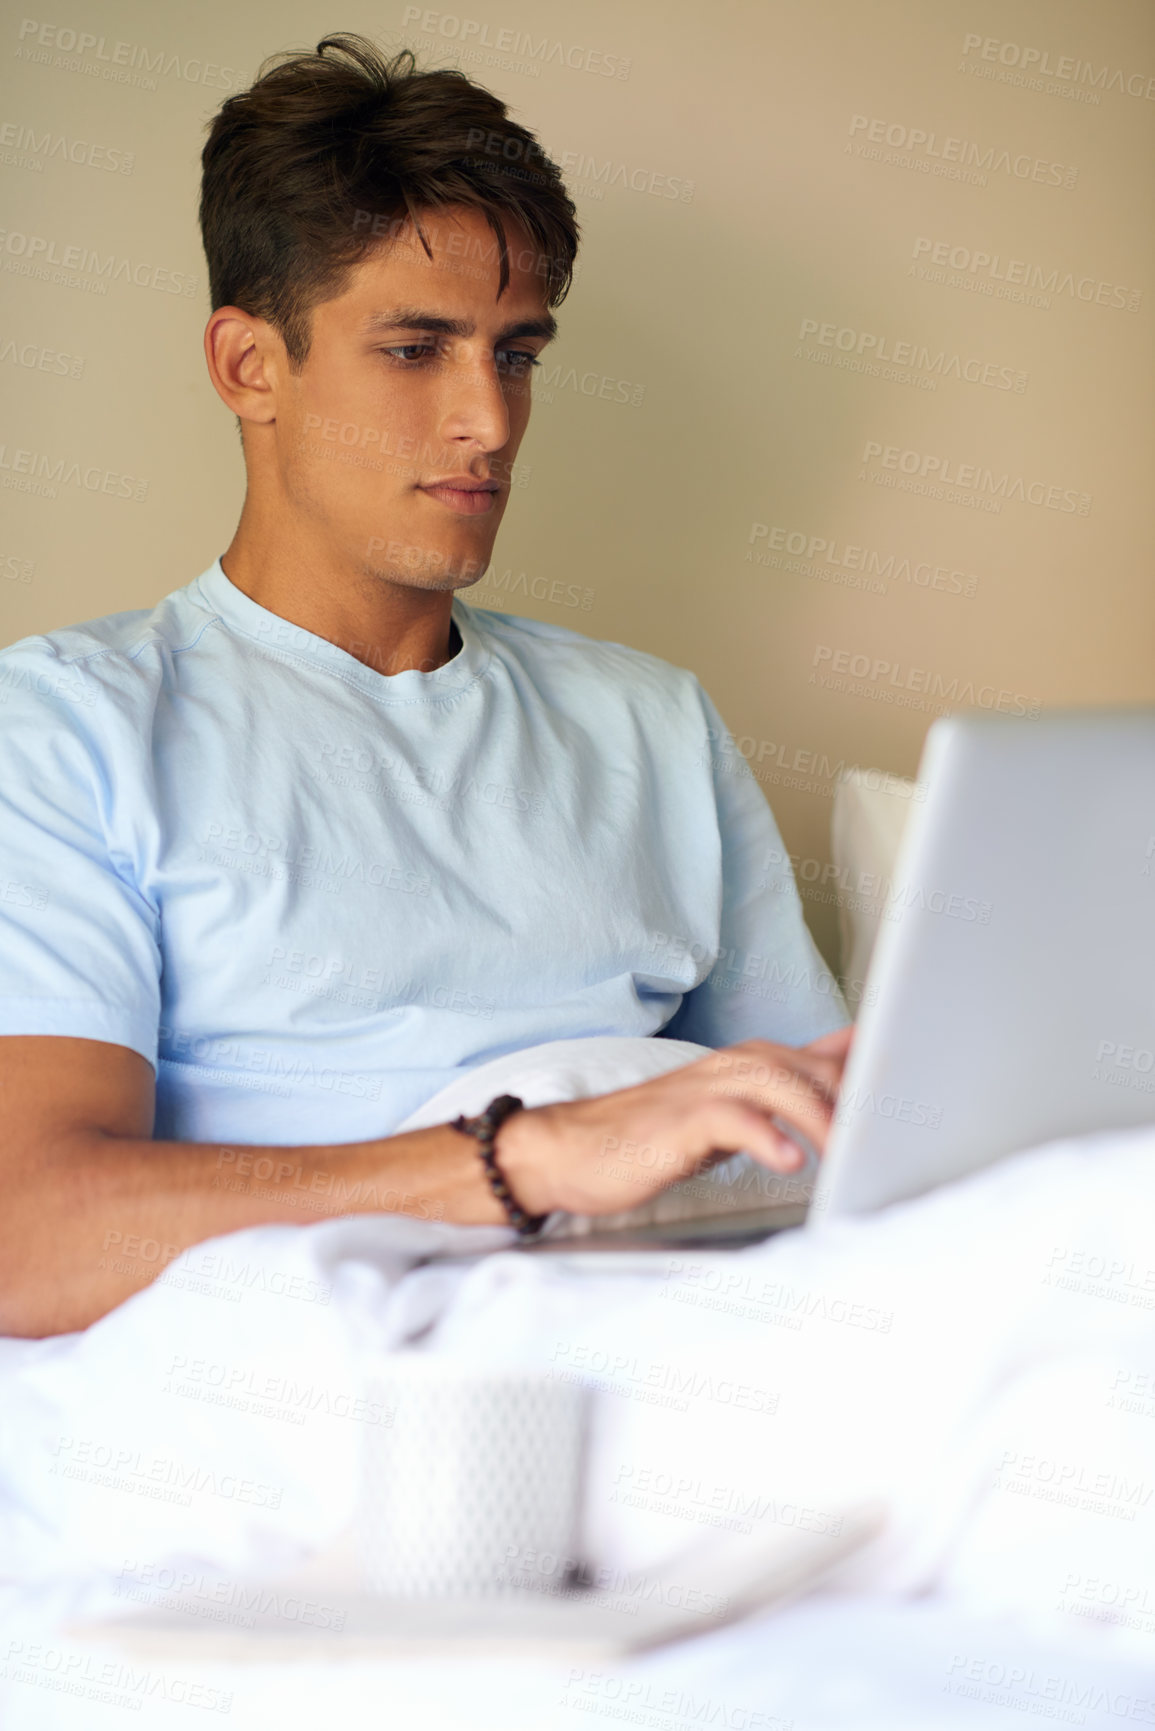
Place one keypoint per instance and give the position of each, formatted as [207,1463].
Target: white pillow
[871,811]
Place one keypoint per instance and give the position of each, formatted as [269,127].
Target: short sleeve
[769,980]
[79,943]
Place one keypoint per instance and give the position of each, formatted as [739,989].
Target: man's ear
[245,358]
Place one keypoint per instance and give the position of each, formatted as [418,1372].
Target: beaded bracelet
[485,1127]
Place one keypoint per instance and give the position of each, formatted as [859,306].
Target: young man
[292,849]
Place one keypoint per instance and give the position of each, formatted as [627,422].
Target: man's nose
[475,406]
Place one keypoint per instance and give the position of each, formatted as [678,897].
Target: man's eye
[516,360]
[410,354]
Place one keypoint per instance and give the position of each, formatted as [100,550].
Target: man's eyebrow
[415,319]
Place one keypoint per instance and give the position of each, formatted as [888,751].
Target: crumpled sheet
[981,1359]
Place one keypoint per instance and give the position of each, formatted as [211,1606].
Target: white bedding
[982,1360]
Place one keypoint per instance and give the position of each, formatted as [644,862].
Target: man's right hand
[603,1155]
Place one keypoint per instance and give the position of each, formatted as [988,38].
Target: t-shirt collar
[285,641]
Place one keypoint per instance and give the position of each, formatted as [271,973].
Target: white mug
[473,1478]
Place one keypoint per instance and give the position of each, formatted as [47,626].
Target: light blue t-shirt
[309,892]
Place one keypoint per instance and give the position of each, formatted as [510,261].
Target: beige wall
[675,510]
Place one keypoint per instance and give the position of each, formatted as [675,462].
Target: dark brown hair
[326,153]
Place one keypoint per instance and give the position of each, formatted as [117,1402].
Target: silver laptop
[1011,993]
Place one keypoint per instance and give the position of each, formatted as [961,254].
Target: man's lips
[463,493]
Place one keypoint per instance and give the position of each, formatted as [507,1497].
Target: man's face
[397,438]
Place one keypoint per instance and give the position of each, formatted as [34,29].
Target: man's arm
[94,1209]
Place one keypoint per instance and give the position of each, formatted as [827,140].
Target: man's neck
[390,627]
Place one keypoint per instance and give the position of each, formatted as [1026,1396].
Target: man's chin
[420,562]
